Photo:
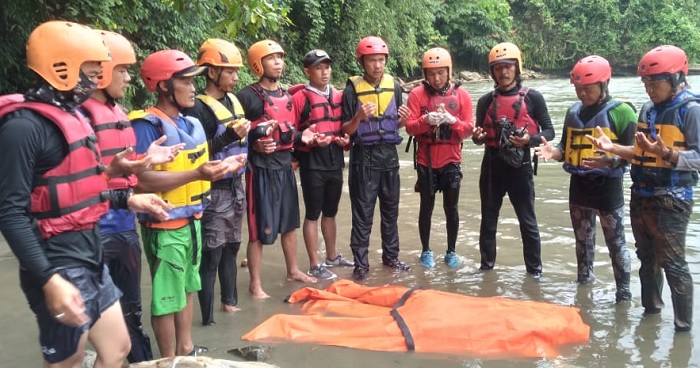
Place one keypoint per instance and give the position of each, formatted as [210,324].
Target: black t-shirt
[37,145]
[254,107]
[379,156]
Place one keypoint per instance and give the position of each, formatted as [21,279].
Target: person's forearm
[20,236]
[159,181]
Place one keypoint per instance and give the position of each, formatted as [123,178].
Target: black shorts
[321,190]
[273,203]
[446,177]
[59,341]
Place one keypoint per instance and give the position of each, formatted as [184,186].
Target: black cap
[315,57]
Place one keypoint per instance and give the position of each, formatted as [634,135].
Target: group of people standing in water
[199,160]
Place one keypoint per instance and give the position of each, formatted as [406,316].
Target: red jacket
[439,152]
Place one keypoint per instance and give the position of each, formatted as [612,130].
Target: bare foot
[229,308]
[300,276]
[258,294]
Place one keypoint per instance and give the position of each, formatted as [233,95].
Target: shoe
[320,272]
[452,259]
[339,261]
[535,274]
[359,274]
[198,350]
[426,258]
[396,264]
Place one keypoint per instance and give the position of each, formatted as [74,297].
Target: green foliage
[471,28]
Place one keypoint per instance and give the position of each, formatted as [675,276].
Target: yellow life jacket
[185,199]
[382,128]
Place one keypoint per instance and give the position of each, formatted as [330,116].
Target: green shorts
[173,258]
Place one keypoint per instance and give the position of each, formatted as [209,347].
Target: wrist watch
[615,163]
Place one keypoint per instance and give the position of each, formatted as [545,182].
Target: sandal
[198,350]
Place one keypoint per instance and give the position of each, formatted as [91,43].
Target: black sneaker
[359,274]
[396,264]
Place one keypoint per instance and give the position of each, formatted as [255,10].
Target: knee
[116,355]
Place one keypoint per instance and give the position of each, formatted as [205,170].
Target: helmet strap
[169,93]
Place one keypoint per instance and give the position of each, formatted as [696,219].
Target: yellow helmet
[56,50]
[506,52]
[218,52]
[122,54]
[258,51]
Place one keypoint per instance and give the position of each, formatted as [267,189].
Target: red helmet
[666,59]
[589,70]
[163,65]
[371,45]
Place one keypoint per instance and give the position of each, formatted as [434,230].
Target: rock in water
[253,353]
[198,362]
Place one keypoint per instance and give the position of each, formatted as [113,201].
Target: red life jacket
[442,135]
[325,114]
[280,109]
[71,196]
[114,134]
[514,109]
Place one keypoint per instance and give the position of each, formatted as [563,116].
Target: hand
[213,170]
[404,113]
[64,302]
[161,155]
[342,140]
[433,118]
[240,126]
[151,204]
[265,145]
[602,142]
[448,118]
[323,140]
[308,137]
[121,165]
[366,111]
[236,162]
[657,147]
[269,126]
[522,142]
[546,150]
[596,162]
[478,133]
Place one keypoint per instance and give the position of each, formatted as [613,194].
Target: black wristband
[669,155]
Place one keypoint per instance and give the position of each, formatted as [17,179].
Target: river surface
[621,336]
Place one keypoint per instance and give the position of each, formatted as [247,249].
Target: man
[118,226]
[373,113]
[595,186]
[221,116]
[665,157]
[509,121]
[173,248]
[317,108]
[51,227]
[273,204]
[441,117]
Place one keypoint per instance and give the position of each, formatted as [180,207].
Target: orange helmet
[122,54]
[371,45]
[56,50]
[165,64]
[589,70]
[666,59]
[437,58]
[218,52]
[258,51]
[506,52]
